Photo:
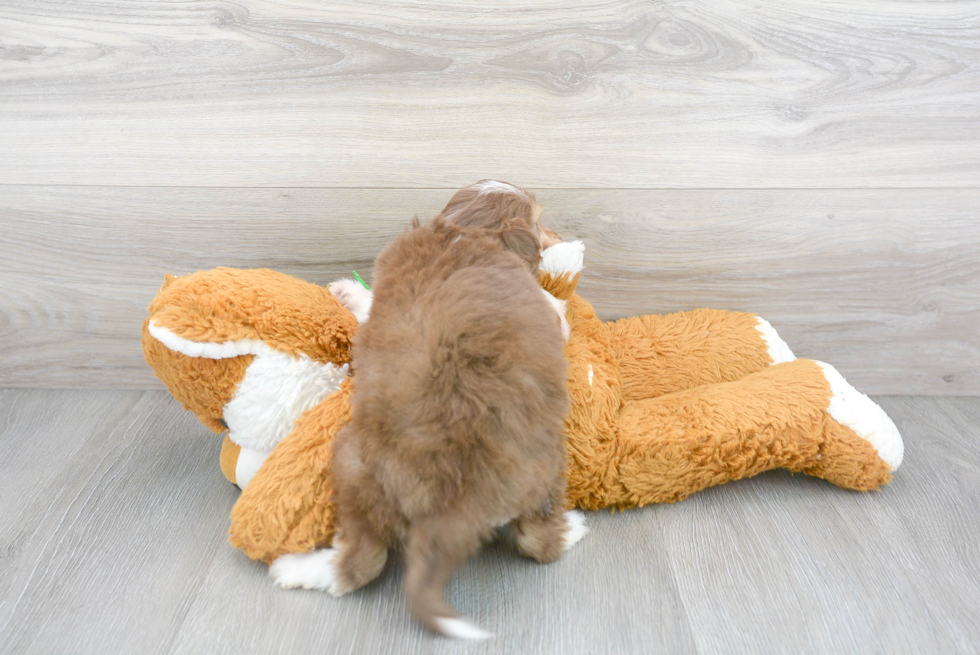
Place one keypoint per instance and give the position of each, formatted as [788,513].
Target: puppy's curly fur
[459,398]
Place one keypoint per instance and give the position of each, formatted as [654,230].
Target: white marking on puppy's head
[485,187]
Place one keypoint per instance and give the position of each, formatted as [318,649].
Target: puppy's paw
[354,297]
[576,528]
[316,570]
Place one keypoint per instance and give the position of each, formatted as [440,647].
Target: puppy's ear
[524,242]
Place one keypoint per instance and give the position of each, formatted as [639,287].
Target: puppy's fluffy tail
[436,548]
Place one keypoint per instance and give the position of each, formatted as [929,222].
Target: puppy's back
[463,370]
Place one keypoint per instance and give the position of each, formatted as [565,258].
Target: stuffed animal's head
[248,350]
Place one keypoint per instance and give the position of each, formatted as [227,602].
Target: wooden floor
[815,161]
[112,540]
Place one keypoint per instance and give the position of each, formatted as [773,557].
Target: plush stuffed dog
[662,406]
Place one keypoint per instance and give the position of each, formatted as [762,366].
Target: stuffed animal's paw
[316,570]
[779,350]
[865,417]
[354,297]
[576,528]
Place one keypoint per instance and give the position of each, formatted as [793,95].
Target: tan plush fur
[674,404]
[228,459]
[227,304]
[203,386]
[288,506]
[458,410]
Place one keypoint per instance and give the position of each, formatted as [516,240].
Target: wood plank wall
[816,162]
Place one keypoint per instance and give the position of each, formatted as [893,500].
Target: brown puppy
[458,410]
[458,406]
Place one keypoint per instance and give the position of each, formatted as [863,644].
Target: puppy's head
[508,210]
[488,203]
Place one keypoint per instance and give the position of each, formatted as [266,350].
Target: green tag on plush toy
[361,280]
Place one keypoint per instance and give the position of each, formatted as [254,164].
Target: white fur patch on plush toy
[276,390]
[354,297]
[248,464]
[559,306]
[567,257]
[852,408]
[316,570]
[206,349]
[779,350]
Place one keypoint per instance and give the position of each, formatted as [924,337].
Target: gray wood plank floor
[112,540]
[428,93]
[884,284]
[815,161]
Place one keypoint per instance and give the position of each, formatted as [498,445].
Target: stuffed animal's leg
[857,422]
[286,508]
[239,465]
[664,354]
[799,415]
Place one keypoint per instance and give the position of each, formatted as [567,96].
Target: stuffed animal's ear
[228,312]
[195,335]
[549,237]
[203,385]
[196,316]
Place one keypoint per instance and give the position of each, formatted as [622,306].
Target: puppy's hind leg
[361,553]
[437,546]
[547,533]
